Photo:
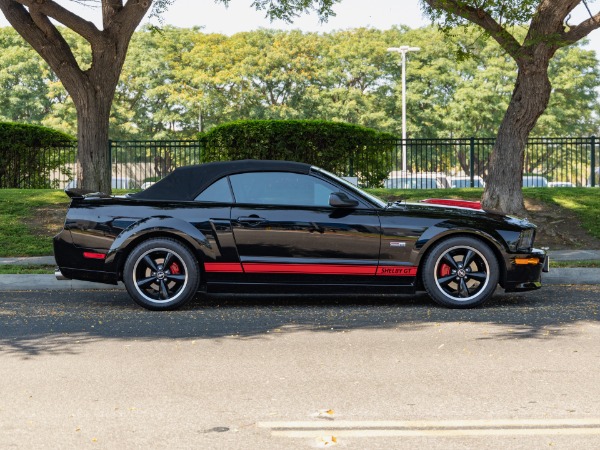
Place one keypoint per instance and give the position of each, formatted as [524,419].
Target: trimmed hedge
[25,157]
[334,146]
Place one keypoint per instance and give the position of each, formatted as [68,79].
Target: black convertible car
[284,226]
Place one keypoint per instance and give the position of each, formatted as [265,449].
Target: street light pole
[403,49]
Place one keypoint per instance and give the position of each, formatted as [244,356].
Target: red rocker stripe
[312,269]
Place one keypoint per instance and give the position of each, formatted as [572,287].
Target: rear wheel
[161,274]
[460,272]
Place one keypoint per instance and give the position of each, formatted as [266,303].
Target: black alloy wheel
[460,272]
[161,274]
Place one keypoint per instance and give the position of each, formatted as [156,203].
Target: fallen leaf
[326,441]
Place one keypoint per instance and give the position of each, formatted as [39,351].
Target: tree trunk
[93,89]
[503,189]
[93,165]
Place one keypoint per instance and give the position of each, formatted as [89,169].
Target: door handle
[252,220]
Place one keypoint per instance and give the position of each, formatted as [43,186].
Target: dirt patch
[559,228]
[46,222]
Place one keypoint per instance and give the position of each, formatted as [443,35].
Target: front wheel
[161,274]
[460,272]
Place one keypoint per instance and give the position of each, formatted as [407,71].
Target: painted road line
[435,423]
[439,433]
[440,428]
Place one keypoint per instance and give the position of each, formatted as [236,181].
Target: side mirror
[341,200]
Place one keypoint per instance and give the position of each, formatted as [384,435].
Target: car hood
[451,213]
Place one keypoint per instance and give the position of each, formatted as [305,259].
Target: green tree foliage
[24,80]
[348,76]
[530,32]
[574,74]
[92,87]
[147,102]
[176,82]
[334,146]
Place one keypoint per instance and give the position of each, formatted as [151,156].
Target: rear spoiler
[85,193]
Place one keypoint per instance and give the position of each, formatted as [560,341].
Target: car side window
[218,192]
[281,188]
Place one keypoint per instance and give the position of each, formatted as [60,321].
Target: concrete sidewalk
[573,255]
[49,282]
[28,261]
[15,282]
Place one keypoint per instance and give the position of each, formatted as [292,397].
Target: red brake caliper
[174,268]
[444,270]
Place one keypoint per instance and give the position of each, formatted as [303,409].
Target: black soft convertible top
[185,183]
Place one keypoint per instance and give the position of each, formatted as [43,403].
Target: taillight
[93,255]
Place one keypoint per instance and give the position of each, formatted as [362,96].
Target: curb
[50,283]
[582,276]
[571,276]
[573,255]
[28,261]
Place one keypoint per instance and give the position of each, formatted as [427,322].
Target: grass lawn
[26,270]
[590,264]
[22,230]
[584,202]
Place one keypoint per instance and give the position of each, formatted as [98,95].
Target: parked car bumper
[529,274]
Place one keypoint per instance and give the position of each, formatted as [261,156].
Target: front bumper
[524,271]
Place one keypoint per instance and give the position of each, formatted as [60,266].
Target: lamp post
[403,49]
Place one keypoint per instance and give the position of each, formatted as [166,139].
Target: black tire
[453,283]
[161,274]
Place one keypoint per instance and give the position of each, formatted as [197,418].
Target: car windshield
[375,200]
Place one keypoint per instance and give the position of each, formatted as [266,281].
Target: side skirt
[280,288]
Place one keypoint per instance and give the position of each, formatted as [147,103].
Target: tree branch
[130,16]
[582,30]
[110,8]
[482,18]
[51,9]
[43,36]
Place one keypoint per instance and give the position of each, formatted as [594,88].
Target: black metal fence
[149,161]
[405,164]
[547,162]
[37,167]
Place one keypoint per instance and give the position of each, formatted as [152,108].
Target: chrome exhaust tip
[59,276]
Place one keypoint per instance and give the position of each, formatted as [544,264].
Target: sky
[382,14]
[240,16]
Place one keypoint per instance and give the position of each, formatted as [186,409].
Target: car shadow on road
[34,323]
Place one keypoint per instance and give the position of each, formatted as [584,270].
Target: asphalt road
[93,370]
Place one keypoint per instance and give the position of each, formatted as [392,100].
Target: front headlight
[526,240]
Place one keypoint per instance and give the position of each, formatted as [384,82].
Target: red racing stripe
[312,269]
[309,269]
[223,267]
